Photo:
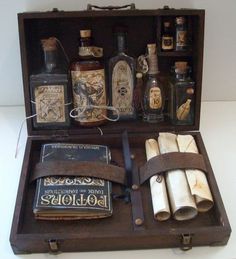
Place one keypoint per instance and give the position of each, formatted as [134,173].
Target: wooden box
[119,231]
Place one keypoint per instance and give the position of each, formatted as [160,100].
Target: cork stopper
[180,20]
[181,66]
[85,33]
[49,44]
[152,48]
[167,24]
[152,59]
[139,75]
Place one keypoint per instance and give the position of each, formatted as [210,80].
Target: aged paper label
[50,103]
[89,91]
[155,98]
[122,88]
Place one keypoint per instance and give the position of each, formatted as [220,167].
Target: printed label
[50,103]
[167,42]
[181,38]
[155,98]
[122,88]
[89,91]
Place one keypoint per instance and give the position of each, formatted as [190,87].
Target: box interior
[121,220]
[142,29]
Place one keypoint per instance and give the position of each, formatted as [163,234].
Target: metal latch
[186,242]
[53,246]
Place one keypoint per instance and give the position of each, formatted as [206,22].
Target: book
[72,197]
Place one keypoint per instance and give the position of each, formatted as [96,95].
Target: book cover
[65,197]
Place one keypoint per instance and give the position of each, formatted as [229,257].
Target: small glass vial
[182,95]
[138,95]
[88,83]
[167,40]
[154,101]
[181,43]
[49,89]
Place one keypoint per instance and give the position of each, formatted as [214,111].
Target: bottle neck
[50,60]
[152,63]
[121,43]
[85,42]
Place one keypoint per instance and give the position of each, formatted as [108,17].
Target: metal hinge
[53,246]
[186,242]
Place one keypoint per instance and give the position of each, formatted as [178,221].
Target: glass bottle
[181,43]
[122,78]
[154,100]
[88,83]
[182,95]
[138,95]
[49,89]
[167,42]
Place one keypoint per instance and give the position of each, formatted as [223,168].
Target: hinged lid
[144,26]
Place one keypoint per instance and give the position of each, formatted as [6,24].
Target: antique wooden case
[120,231]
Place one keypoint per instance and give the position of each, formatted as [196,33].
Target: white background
[219,78]
[218,119]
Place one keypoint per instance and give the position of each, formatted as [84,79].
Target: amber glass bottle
[154,100]
[88,83]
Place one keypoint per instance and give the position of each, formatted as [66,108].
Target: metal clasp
[186,242]
[53,246]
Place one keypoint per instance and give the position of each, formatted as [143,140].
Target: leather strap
[80,168]
[136,201]
[171,161]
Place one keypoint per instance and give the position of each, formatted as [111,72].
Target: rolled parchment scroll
[181,200]
[160,202]
[197,179]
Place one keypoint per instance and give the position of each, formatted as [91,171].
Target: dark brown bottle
[88,83]
[49,89]
[167,42]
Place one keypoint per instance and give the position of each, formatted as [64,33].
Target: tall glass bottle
[167,40]
[49,89]
[88,83]
[182,95]
[122,79]
[154,100]
[181,43]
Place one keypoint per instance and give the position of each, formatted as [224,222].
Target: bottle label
[167,42]
[181,38]
[90,51]
[122,88]
[88,92]
[155,98]
[50,103]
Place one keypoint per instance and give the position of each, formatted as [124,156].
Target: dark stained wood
[117,232]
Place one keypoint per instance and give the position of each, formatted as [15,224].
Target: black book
[72,197]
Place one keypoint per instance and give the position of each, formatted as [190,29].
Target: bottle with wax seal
[88,84]
[122,77]
[154,99]
[50,97]
[182,95]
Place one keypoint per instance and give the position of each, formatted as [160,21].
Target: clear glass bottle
[181,43]
[182,95]
[154,100]
[50,97]
[88,83]
[122,78]
[167,42]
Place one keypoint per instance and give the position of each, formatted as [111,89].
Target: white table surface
[218,130]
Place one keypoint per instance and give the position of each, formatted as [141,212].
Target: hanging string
[19,133]
[81,110]
[63,49]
